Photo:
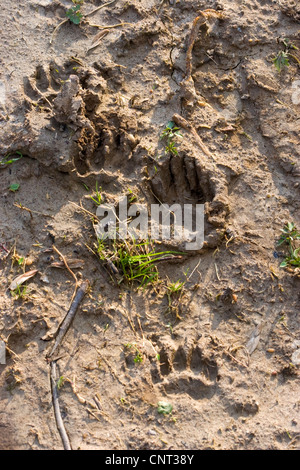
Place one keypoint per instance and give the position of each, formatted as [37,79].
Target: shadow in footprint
[202,365]
[192,386]
[165,367]
[180,359]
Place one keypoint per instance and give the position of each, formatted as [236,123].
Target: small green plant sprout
[20,292]
[14,187]
[21,261]
[281,60]
[60,382]
[174,293]
[7,160]
[165,408]
[288,44]
[123,401]
[74,14]
[97,196]
[170,134]
[132,196]
[138,355]
[85,186]
[175,287]
[289,234]
[168,325]
[289,237]
[293,260]
[16,258]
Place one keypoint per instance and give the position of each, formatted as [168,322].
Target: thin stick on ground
[57,413]
[20,206]
[194,270]
[11,352]
[99,8]
[65,263]
[66,323]
[90,214]
[109,26]
[181,122]
[57,27]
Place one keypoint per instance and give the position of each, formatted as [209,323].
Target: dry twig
[66,323]
[57,413]
[99,8]
[181,122]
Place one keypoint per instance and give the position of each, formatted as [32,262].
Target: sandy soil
[82,115]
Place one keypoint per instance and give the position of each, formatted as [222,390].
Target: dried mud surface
[81,116]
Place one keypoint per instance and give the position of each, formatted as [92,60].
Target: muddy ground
[78,116]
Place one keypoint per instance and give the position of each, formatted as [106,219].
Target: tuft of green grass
[97,196]
[175,287]
[130,261]
[7,160]
[60,382]
[20,292]
[174,292]
[138,355]
[132,196]
[288,237]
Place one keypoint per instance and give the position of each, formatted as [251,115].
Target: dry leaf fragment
[22,278]
[254,340]
[97,39]
[100,35]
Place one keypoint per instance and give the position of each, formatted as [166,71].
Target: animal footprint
[187,371]
[72,123]
[190,177]
[42,86]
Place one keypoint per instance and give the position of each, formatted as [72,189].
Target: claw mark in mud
[186,370]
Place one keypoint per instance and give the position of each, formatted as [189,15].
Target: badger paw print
[187,371]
